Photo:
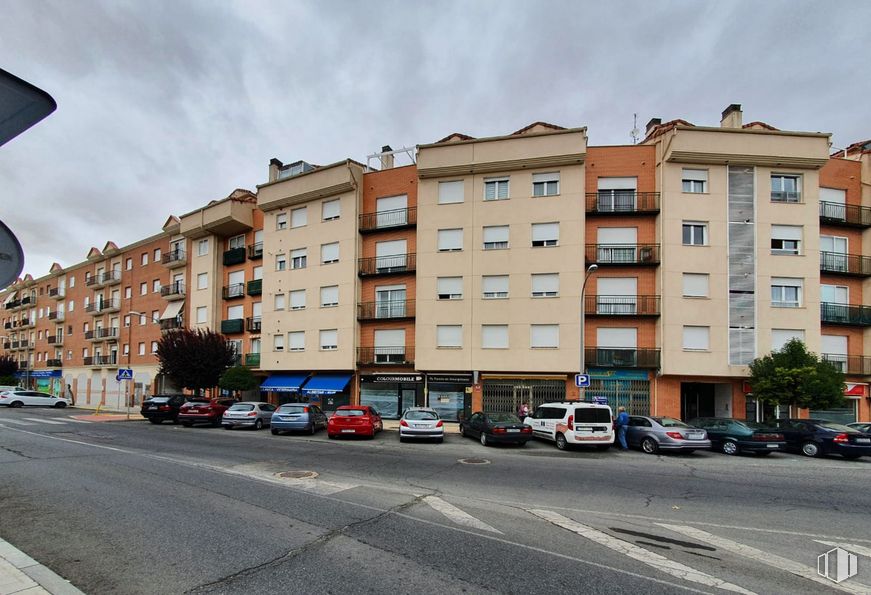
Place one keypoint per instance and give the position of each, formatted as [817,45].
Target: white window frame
[544,285]
[781,287]
[497,188]
[203,247]
[544,336]
[330,253]
[278,342]
[694,181]
[281,262]
[695,227]
[298,258]
[779,194]
[545,184]
[446,288]
[298,217]
[237,241]
[449,336]
[495,336]
[450,240]
[492,287]
[279,302]
[692,283]
[494,244]
[696,338]
[449,194]
[202,314]
[293,342]
[328,339]
[786,239]
[331,298]
[331,209]
[543,235]
[280,221]
[294,301]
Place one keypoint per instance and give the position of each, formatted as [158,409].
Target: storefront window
[447,402]
[391,394]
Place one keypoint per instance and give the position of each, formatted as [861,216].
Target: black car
[160,408]
[816,437]
[490,428]
[733,436]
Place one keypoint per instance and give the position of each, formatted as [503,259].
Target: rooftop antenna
[634,132]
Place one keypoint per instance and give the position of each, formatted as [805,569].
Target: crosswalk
[36,421]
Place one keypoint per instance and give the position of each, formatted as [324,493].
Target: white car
[21,397]
[573,422]
[421,422]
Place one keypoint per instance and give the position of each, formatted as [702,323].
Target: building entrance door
[696,400]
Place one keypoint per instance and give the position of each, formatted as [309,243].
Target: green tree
[794,376]
[8,368]
[237,379]
[194,358]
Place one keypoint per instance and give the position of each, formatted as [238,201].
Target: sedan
[862,426]
[421,422]
[653,434]
[298,417]
[204,411]
[490,428]
[160,408]
[19,398]
[354,420]
[733,436]
[250,414]
[816,437]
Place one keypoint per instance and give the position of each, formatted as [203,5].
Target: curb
[21,573]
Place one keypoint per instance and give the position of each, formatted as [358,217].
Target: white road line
[640,554]
[458,516]
[77,421]
[17,422]
[802,570]
[42,420]
[860,550]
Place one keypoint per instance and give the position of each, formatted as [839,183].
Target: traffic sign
[582,380]
[124,374]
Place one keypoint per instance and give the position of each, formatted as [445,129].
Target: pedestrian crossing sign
[124,374]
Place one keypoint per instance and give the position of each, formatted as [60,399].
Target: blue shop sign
[40,374]
[608,374]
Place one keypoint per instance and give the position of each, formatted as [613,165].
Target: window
[695,181]
[786,239]
[155,317]
[785,188]
[142,349]
[329,339]
[494,336]
[72,281]
[128,264]
[280,301]
[616,295]
[154,347]
[494,286]
[330,253]
[296,341]
[128,292]
[236,242]
[203,247]
[391,211]
[833,203]
[450,240]
[202,281]
[786,292]
[299,217]
[278,342]
[496,237]
[71,305]
[696,338]
[451,192]
[389,346]
[834,294]
[298,258]
[545,284]
[297,299]
[833,253]
[449,288]
[126,320]
[696,284]
[495,188]
[143,259]
[331,209]
[616,195]
[155,286]
[281,262]
[695,233]
[834,350]
[157,255]
[545,234]
[329,296]
[617,244]
[143,320]
[545,184]
[544,336]
[143,288]
[782,336]
[281,221]
[449,336]
[201,314]
[391,256]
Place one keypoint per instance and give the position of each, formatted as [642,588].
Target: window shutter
[617,337]
[545,283]
[695,284]
[545,231]
[616,235]
[696,337]
[299,217]
[331,209]
[450,192]
[617,286]
[390,338]
[297,299]
[618,183]
[390,248]
[548,177]
[449,336]
[494,336]
[544,335]
[330,295]
[330,252]
[700,175]
[449,286]
[494,283]
[496,233]
[450,239]
[780,337]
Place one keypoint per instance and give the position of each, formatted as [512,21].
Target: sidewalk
[393,424]
[20,574]
[90,414]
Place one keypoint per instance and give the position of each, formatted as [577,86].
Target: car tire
[60,405]
[484,441]
[401,438]
[16,404]
[561,442]
[331,436]
[440,440]
[258,425]
[810,449]
[649,446]
[155,421]
[216,423]
[729,447]
[274,432]
[521,444]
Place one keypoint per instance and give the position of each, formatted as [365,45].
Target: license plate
[863,440]
[695,436]
[152,407]
[773,446]
[421,426]
[512,430]
[348,431]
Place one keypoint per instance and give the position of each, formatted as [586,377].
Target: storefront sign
[606,374]
[40,374]
[450,378]
[391,378]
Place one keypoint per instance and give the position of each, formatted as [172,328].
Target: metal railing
[255,287]
[169,324]
[832,313]
[255,251]
[103,306]
[234,291]
[56,315]
[388,356]
[57,293]
[253,324]
[835,213]
[54,363]
[386,310]
[859,365]
[252,360]
[622,202]
[622,254]
[622,305]
[845,264]
[387,265]
[176,288]
[388,219]
[174,257]
[233,326]
[234,256]
[619,357]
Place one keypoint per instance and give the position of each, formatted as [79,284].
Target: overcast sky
[166,105]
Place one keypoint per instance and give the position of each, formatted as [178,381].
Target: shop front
[450,395]
[46,381]
[623,388]
[391,394]
[284,388]
[328,391]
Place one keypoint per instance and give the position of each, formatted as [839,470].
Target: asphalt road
[137,508]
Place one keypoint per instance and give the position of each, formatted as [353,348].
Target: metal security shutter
[632,394]
[507,395]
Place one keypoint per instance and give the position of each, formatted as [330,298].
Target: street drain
[297,474]
[473,461]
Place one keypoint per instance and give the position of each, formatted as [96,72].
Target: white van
[573,422]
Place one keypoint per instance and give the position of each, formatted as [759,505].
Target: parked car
[733,436]
[253,414]
[296,417]
[573,422]
[354,420]
[20,397]
[862,426]
[421,422]
[200,410]
[653,434]
[160,408]
[817,437]
[493,427]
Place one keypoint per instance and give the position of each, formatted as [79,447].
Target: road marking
[768,558]
[42,420]
[640,554]
[78,421]
[458,516]
[851,547]
[17,422]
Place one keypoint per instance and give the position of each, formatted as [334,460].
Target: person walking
[622,424]
[523,411]
[70,395]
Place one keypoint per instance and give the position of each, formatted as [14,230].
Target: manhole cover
[297,474]
[473,461]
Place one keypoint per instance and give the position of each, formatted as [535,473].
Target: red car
[200,410]
[352,420]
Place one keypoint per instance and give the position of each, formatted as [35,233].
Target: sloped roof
[455,136]
[661,129]
[863,146]
[759,125]
[532,127]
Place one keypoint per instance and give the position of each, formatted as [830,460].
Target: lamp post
[590,270]
[130,351]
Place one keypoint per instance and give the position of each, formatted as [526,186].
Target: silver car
[421,422]
[248,414]
[653,434]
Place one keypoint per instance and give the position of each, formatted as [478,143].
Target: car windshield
[421,415]
[292,409]
[242,407]
[503,418]
[350,412]
[670,422]
[831,427]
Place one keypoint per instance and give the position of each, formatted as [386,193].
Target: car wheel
[274,432]
[60,405]
[155,421]
[561,442]
[216,422]
[730,447]
[484,441]
[521,444]
[258,425]
[810,449]
[16,404]
[401,438]
[649,446]
[440,440]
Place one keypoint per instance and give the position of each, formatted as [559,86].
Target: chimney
[274,167]
[731,116]
[386,157]
[652,124]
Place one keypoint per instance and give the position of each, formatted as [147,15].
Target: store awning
[10,297]
[854,390]
[283,383]
[326,384]
[172,310]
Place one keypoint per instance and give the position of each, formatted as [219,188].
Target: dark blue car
[817,437]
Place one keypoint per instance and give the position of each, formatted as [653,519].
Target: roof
[526,129]
[758,124]
[863,146]
[454,136]
[661,129]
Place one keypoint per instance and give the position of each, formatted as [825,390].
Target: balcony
[173,291]
[170,324]
[232,292]
[7,346]
[23,365]
[622,203]
[110,361]
[57,316]
[57,293]
[387,265]
[57,339]
[855,365]
[234,256]
[255,287]
[10,324]
[845,314]
[832,213]
[233,326]
[854,265]
[393,220]
[252,360]
[12,305]
[103,306]
[54,363]
[253,324]
[112,277]
[621,305]
[385,356]
[174,259]
[623,254]
[26,323]
[386,310]
[255,251]
[618,357]
[109,333]
[92,362]
[27,300]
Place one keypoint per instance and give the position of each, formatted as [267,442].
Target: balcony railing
[54,363]
[108,333]
[845,264]
[26,323]
[255,251]
[622,254]
[174,258]
[56,339]
[57,293]
[846,314]
[618,357]
[370,222]
[23,365]
[112,277]
[231,292]
[255,287]
[91,361]
[7,345]
[10,324]
[169,324]
[386,356]
[253,324]
[173,291]
[834,213]
[621,305]
[106,278]
[386,310]
[101,306]
[57,315]
[233,326]
[252,360]
[622,202]
[859,365]
[234,256]
[12,305]
[27,300]
[387,265]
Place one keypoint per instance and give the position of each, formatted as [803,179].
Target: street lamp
[130,313]
[590,270]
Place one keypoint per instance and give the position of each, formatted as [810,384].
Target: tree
[237,379]
[8,368]
[794,376]
[194,358]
